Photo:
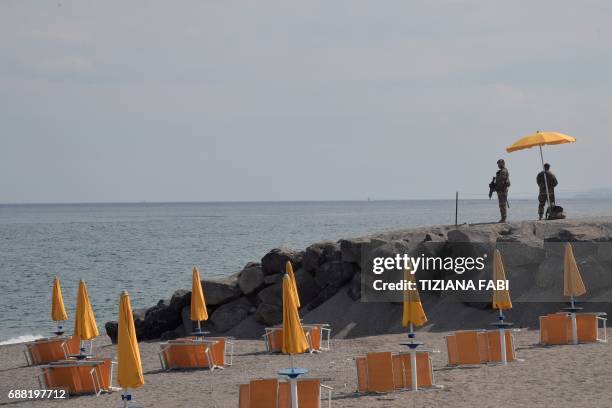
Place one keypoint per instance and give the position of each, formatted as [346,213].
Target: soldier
[502,182]
[551,181]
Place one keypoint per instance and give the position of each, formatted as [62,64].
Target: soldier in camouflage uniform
[552,182]
[502,182]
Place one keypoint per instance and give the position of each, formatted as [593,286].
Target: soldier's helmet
[501,161]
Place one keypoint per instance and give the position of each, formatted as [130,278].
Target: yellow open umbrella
[85,327]
[501,298]
[294,339]
[198,305]
[572,285]
[128,354]
[540,139]
[413,309]
[289,271]
[58,311]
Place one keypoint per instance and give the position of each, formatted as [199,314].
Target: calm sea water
[149,249]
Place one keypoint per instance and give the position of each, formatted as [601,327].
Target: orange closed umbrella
[130,373]
[58,311]
[294,339]
[198,304]
[572,286]
[289,271]
[413,313]
[572,281]
[501,298]
[85,327]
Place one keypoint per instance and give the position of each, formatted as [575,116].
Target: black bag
[555,212]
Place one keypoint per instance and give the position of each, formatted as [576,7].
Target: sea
[149,249]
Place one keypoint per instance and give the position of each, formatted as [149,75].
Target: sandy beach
[561,376]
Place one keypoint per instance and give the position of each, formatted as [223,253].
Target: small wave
[20,339]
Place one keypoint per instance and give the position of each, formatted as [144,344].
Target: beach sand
[560,376]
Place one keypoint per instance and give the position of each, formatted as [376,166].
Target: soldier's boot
[502,212]
[540,215]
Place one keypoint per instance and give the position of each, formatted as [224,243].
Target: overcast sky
[228,100]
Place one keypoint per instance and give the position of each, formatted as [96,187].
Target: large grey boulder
[230,314]
[334,273]
[268,314]
[275,260]
[319,253]
[271,295]
[218,292]
[251,278]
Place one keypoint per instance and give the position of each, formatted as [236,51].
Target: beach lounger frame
[483,351]
[94,374]
[32,355]
[396,375]
[208,343]
[324,333]
[274,392]
[556,328]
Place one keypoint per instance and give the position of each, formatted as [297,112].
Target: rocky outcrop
[330,277]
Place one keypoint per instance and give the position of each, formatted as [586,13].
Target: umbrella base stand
[502,326]
[293,374]
[412,344]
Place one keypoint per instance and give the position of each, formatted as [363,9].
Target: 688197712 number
[37,394]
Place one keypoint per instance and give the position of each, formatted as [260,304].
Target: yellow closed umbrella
[413,315]
[501,298]
[413,309]
[289,271]
[198,304]
[294,339]
[501,301]
[85,327]
[129,372]
[572,281]
[540,139]
[572,285]
[58,311]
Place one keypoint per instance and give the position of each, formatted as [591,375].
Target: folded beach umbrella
[289,271]
[198,305]
[572,281]
[501,301]
[85,327]
[294,339]
[128,354]
[572,286]
[413,309]
[58,311]
[541,139]
[501,298]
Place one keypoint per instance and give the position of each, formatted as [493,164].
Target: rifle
[491,187]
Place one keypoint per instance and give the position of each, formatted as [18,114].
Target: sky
[135,101]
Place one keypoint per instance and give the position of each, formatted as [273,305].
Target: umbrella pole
[574,324]
[125,397]
[502,339]
[413,361]
[545,178]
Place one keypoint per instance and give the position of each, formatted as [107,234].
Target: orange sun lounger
[385,371]
[556,328]
[316,334]
[47,350]
[472,347]
[190,352]
[274,393]
[78,376]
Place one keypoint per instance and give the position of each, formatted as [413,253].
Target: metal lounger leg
[231,354]
[96,381]
[328,331]
[329,392]
[28,356]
